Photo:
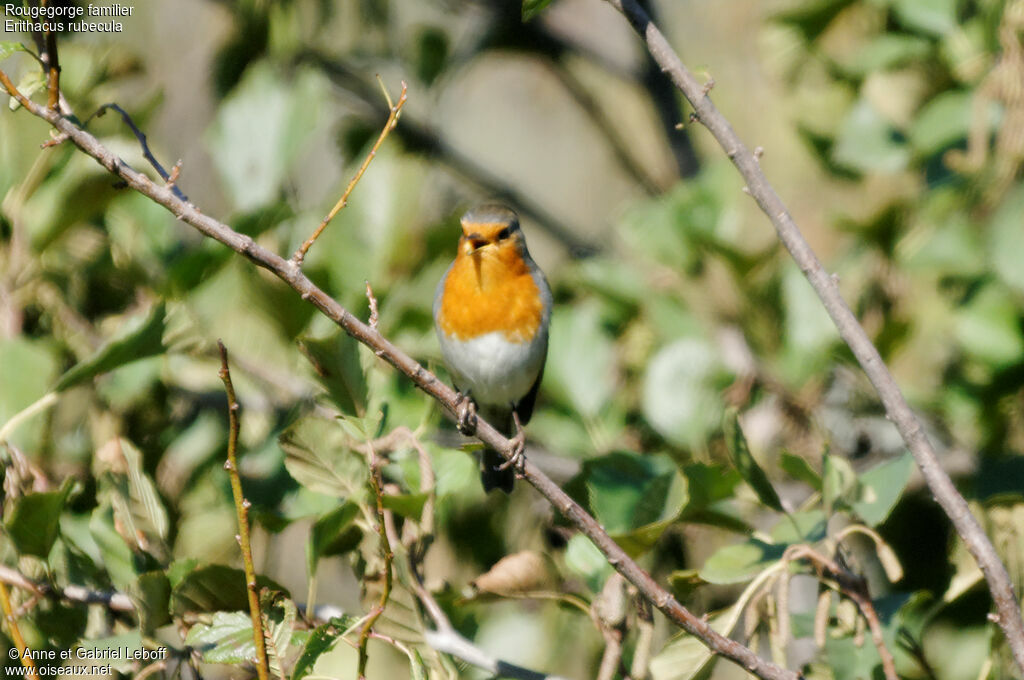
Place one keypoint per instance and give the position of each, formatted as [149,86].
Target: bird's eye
[506,232]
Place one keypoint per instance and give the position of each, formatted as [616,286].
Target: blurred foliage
[696,398]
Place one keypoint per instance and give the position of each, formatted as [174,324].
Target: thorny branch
[853,334]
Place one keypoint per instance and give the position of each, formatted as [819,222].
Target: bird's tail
[491,474]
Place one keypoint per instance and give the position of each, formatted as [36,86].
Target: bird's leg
[517,459]
[465,414]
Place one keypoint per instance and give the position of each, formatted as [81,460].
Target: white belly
[495,371]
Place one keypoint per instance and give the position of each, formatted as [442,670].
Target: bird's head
[491,230]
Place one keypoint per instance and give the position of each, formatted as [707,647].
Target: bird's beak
[476,241]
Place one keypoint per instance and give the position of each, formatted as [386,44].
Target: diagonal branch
[896,407]
[389,125]
[288,272]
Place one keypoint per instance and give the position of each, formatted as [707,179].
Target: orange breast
[489,291]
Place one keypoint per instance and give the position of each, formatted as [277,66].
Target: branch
[114,601]
[170,178]
[422,139]
[896,407]
[389,125]
[242,511]
[12,627]
[52,68]
[377,483]
[853,587]
[288,272]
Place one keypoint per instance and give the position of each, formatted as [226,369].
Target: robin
[492,309]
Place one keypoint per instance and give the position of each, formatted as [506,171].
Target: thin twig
[12,627]
[113,600]
[644,638]
[242,512]
[609,614]
[52,67]
[852,333]
[422,378]
[427,141]
[855,588]
[395,111]
[377,483]
[170,179]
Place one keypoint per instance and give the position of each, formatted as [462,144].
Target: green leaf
[409,505]
[887,51]
[214,587]
[681,391]
[116,555]
[27,368]
[634,497]
[798,468]
[580,366]
[320,642]
[935,17]
[151,595]
[800,527]
[709,484]
[839,483]
[741,562]
[33,522]
[987,328]
[867,143]
[811,17]
[279,614]
[260,131]
[318,458]
[746,464]
[941,122]
[32,81]
[532,8]
[684,582]
[583,558]
[131,492]
[228,639]
[9,47]
[336,362]
[332,534]
[109,648]
[881,487]
[685,656]
[1006,241]
[810,333]
[141,338]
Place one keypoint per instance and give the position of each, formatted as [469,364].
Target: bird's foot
[517,458]
[465,414]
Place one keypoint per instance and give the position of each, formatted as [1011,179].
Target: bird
[492,311]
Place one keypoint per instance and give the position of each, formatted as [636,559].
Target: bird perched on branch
[492,309]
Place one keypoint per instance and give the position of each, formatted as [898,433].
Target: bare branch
[242,511]
[394,110]
[114,601]
[896,407]
[15,632]
[854,587]
[425,140]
